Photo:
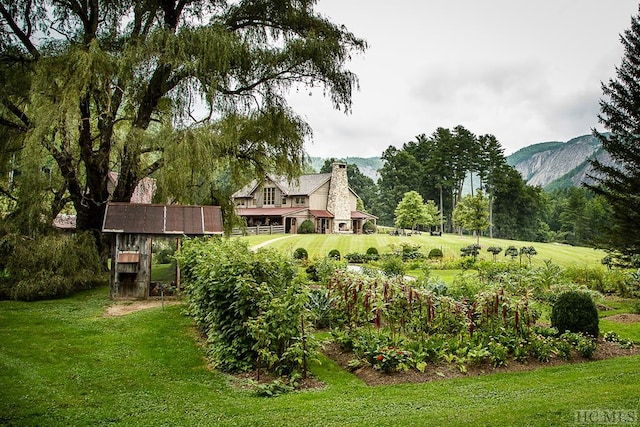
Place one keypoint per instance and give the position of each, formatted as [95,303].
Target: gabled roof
[162,219]
[362,215]
[305,185]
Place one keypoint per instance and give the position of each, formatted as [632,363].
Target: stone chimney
[338,202]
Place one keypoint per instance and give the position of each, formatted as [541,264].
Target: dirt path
[127,307]
[260,245]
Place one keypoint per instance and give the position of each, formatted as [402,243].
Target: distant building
[325,199]
[143,193]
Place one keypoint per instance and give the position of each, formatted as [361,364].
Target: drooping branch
[24,38]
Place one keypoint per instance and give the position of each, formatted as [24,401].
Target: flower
[380,357]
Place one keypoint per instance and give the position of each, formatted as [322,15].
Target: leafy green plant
[435,253]
[250,305]
[372,254]
[300,254]
[393,266]
[356,258]
[306,227]
[50,266]
[575,311]
[389,359]
[273,389]
[335,254]
[494,251]
[512,252]
[320,304]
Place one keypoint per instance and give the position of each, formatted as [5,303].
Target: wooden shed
[135,225]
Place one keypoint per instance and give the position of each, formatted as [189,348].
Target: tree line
[441,169]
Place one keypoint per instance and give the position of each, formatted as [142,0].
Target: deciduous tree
[472,213]
[412,211]
[191,92]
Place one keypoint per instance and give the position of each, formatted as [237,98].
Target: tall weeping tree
[619,182]
[191,92]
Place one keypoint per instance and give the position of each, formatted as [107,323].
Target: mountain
[368,166]
[550,165]
[558,164]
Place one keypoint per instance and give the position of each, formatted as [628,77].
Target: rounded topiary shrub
[369,227]
[435,253]
[372,251]
[575,312]
[334,253]
[306,227]
[300,253]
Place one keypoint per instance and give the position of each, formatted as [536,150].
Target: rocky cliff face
[557,164]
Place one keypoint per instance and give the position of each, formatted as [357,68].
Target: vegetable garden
[259,311]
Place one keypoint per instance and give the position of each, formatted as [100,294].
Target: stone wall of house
[338,202]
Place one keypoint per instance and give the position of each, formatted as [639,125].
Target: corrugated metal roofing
[321,213]
[162,219]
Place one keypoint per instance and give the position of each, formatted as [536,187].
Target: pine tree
[620,114]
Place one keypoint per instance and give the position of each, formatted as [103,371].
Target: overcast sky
[525,71]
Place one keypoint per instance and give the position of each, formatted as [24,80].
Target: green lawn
[318,245]
[62,363]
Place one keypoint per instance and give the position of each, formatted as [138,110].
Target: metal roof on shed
[137,218]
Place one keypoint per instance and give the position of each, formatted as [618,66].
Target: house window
[269,196]
[300,201]
[284,201]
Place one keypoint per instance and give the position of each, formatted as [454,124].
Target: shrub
[575,312]
[393,266]
[511,251]
[372,254]
[435,253]
[50,266]
[369,227]
[165,256]
[471,250]
[335,254]
[249,304]
[494,250]
[356,258]
[300,253]
[306,227]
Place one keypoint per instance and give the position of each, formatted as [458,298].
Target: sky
[524,71]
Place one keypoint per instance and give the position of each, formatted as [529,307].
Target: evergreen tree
[620,114]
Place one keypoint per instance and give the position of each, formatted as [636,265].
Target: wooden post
[178,267]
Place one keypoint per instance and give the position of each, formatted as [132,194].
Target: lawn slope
[64,363]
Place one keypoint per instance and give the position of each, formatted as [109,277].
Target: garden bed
[442,371]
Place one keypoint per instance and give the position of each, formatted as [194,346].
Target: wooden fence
[263,229]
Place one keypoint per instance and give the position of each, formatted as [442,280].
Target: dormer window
[300,201]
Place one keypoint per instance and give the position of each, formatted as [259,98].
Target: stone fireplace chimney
[338,203]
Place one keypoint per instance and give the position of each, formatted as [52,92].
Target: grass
[318,245]
[62,363]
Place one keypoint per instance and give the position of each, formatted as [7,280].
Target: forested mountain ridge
[551,165]
[557,164]
[368,166]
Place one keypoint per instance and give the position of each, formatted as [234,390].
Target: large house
[325,199]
